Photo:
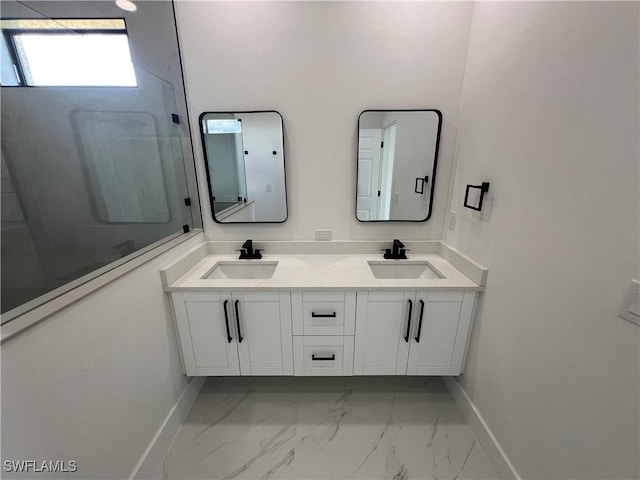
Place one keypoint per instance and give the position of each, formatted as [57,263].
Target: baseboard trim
[161,441]
[496,455]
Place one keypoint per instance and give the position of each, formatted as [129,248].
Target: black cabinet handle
[406,338]
[420,322]
[323,315]
[226,321]
[315,357]
[235,305]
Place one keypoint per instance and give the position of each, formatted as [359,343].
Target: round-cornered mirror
[397,158]
[244,159]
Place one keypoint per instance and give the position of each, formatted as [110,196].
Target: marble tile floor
[324,428]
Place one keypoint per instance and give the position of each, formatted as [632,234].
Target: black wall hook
[420,182]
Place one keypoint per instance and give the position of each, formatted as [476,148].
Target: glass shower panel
[90,175]
[123,165]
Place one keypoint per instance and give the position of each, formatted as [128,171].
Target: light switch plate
[631,304]
[452,219]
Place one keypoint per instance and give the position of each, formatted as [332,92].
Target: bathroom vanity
[332,313]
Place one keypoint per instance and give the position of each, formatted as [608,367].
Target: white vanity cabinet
[333,333]
[234,333]
[411,333]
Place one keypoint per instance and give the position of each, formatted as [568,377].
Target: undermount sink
[248,269]
[403,269]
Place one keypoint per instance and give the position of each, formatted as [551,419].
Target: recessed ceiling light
[127,5]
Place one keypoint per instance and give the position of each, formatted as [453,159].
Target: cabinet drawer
[323,317]
[323,355]
[324,313]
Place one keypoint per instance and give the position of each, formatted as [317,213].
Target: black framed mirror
[396,164]
[244,160]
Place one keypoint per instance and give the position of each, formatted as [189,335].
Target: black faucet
[398,253]
[248,252]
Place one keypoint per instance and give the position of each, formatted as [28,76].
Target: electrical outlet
[452,219]
[268,189]
[324,235]
[631,304]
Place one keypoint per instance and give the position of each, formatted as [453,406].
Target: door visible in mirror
[397,159]
[244,159]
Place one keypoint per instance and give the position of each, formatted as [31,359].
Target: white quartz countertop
[322,271]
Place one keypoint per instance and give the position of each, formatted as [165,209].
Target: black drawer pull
[238,321]
[226,321]
[406,338]
[316,357]
[420,322]
[323,315]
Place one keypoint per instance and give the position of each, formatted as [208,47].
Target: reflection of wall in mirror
[262,135]
[414,154]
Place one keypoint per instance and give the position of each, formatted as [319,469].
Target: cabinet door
[263,324]
[434,333]
[381,340]
[464,331]
[207,336]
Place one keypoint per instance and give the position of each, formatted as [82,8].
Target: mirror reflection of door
[376,151]
[369,161]
[397,158]
[386,170]
[245,166]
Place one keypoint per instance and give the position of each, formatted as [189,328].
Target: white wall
[94,382]
[549,116]
[320,64]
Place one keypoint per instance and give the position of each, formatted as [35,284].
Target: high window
[92,52]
